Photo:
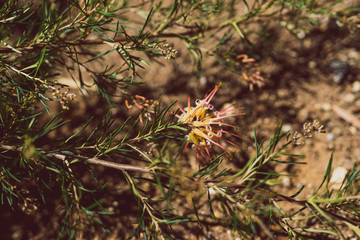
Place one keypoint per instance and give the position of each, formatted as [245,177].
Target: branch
[24,74]
[99,41]
[346,115]
[96,161]
[301,202]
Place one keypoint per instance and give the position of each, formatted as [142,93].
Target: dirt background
[308,77]
[301,85]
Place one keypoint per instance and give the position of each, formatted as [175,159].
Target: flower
[251,71]
[146,106]
[205,125]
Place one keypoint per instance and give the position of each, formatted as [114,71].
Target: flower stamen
[205,124]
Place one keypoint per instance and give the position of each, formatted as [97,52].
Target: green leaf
[237,29]
[327,173]
[40,61]
[81,130]
[354,228]
[321,211]
[210,206]
[298,192]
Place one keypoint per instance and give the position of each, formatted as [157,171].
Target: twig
[347,116]
[99,41]
[301,202]
[24,74]
[96,161]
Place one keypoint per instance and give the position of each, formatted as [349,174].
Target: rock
[349,98]
[286,181]
[312,64]
[286,127]
[203,81]
[283,93]
[338,176]
[212,192]
[353,130]
[330,137]
[301,34]
[356,87]
[326,107]
[309,44]
[339,70]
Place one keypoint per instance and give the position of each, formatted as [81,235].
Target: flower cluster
[309,129]
[205,124]
[164,49]
[145,105]
[64,97]
[251,72]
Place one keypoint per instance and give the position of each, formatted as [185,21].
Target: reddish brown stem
[347,116]
[96,161]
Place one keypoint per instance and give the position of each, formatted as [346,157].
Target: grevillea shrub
[87,151]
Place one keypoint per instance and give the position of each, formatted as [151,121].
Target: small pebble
[211,192]
[353,53]
[356,87]
[312,64]
[209,235]
[301,34]
[286,181]
[308,44]
[338,175]
[352,130]
[349,98]
[326,107]
[330,137]
[203,81]
[291,26]
[339,69]
[324,23]
[286,127]
[282,92]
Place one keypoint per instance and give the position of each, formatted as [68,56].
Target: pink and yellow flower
[205,124]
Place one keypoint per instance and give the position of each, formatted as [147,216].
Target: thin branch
[95,161]
[24,74]
[346,115]
[100,41]
[301,202]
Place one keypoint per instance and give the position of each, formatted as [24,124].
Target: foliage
[48,47]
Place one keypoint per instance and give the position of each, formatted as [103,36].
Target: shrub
[78,137]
